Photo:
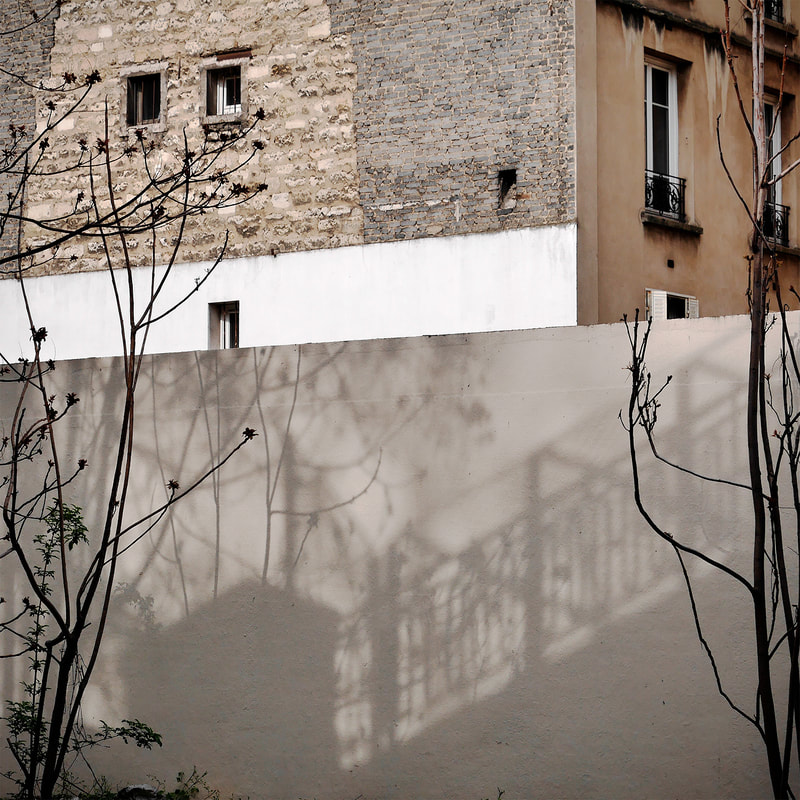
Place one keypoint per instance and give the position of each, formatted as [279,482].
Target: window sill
[150,127]
[224,119]
[787,250]
[771,24]
[652,218]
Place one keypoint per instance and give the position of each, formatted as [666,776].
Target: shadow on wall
[490,612]
[225,684]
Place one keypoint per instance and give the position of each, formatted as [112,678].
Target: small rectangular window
[144,99]
[665,305]
[224,91]
[223,325]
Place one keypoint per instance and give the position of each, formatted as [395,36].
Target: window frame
[656,304]
[219,329]
[221,62]
[127,74]
[775,143]
[651,63]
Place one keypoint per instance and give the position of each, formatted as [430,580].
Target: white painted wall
[490,612]
[483,282]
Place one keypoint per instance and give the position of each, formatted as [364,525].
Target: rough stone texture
[449,94]
[300,74]
[26,37]
[384,120]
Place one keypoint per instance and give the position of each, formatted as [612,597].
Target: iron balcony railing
[665,194]
[773,9]
[776,223]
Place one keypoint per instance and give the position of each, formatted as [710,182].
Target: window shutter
[692,308]
[656,303]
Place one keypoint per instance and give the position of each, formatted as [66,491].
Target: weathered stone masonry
[448,95]
[26,39]
[386,119]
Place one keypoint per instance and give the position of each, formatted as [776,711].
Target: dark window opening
[676,307]
[507,180]
[144,99]
[773,9]
[224,91]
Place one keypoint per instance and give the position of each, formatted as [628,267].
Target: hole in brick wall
[507,182]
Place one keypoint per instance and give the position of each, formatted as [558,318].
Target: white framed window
[223,327]
[772,123]
[224,91]
[224,86]
[145,91]
[660,304]
[661,116]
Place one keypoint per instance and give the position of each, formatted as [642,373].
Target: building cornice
[671,19]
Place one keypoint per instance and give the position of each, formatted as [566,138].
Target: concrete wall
[449,590]
[499,281]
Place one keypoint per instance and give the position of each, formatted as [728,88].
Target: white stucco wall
[483,282]
[488,610]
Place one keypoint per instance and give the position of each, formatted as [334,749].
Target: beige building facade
[655,208]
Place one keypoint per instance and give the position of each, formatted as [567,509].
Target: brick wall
[448,95]
[26,37]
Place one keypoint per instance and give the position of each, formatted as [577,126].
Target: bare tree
[54,629]
[773,441]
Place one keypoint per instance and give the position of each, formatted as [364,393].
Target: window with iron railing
[665,192]
[775,222]
[773,9]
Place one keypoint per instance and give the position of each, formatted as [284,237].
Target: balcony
[773,9]
[775,223]
[665,195]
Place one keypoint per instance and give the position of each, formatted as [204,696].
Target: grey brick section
[449,93]
[26,39]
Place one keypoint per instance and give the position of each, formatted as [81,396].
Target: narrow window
[224,91]
[223,325]
[776,215]
[664,189]
[507,180]
[144,99]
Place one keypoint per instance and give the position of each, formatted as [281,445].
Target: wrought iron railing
[665,194]
[775,223]
[773,9]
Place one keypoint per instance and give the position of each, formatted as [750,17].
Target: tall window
[661,118]
[664,190]
[224,91]
[144,99]
[776,215]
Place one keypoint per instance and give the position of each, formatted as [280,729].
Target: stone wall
[301,75]
[448,95]
[384,121]
[26,37]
